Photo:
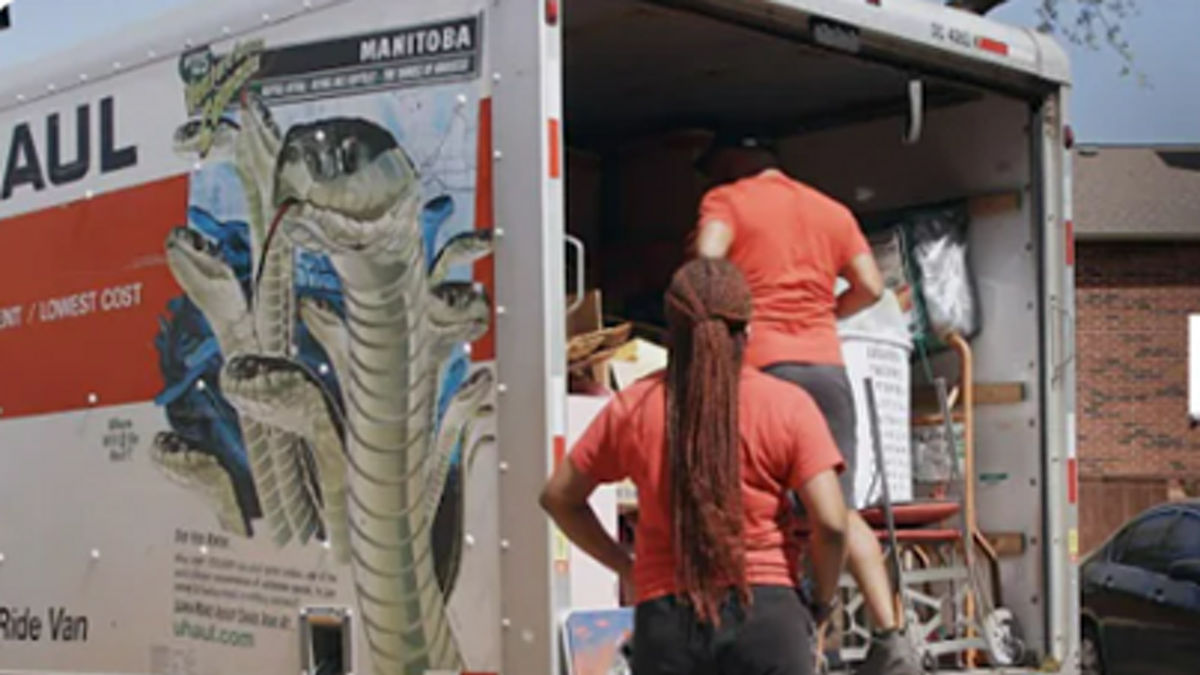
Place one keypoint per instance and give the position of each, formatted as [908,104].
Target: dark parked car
[1141,596]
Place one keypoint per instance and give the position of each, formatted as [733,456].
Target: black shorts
[773,636]
[830,387]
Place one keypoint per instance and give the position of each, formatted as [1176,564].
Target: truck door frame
[526,102]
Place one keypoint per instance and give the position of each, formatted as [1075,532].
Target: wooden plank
[1006,544]
[1000,393]
[993,204]
[1105,504]
[986,393]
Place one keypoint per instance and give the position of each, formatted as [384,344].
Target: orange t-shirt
[784,442]
[790,241]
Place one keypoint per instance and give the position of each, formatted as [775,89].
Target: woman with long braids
[713,447]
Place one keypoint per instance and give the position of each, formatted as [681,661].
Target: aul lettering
[63,153]
[61,172]
[24,166]
[112,157]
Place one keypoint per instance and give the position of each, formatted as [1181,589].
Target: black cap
[727,141]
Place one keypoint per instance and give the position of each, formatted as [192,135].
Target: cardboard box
[588,317]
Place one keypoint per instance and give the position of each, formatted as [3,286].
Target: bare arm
[565,499]
[714,239]
[826,510]
[866,285]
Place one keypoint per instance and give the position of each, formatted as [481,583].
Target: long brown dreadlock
[707,308]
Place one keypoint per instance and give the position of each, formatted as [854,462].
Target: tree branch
[1086,23]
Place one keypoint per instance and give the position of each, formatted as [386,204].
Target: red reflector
[993,46]
[552,12]
[555,150]
[1070,243]
[1072,481]
[560,449]
[1068,137]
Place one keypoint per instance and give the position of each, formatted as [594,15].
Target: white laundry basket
[875,344]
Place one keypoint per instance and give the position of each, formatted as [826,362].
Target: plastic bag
[923,255]
[891,255]
[939,254]
[932,462]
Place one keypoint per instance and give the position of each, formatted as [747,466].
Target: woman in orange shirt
[713,447]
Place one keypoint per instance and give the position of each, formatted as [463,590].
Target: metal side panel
[530,298]
[1070,385]
[1065,579]
[1062,603]
[1008,438]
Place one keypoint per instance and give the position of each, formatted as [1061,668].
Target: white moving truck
[282,309]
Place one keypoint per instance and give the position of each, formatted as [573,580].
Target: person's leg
[864,560]
[830,389]
[667,640]
[890,652]
[773,636]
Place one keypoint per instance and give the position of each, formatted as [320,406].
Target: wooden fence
[1107,503]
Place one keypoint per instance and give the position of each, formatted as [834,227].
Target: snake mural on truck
[318,386]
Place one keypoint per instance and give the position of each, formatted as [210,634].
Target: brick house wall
[1133,301]
[1133,304]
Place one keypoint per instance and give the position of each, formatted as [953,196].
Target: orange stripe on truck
[81,293]
[555,149]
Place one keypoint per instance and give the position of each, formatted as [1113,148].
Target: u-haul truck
[282,306]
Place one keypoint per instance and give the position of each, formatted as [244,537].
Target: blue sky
[41,27]
[1107,108]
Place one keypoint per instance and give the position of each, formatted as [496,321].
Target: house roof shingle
[1137,192]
